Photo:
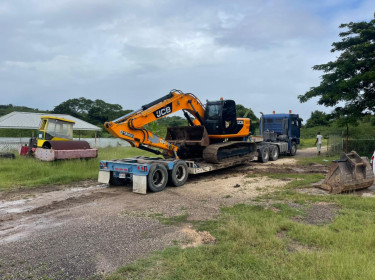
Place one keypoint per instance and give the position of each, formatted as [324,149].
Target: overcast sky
[257,52]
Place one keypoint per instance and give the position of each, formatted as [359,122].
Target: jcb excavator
[215,133]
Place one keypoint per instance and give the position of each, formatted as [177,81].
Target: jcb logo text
[163,111]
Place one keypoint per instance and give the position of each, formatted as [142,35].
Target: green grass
[326,160]
[310,142]
[364,130]
[174,220]
[30,172]
[256,242]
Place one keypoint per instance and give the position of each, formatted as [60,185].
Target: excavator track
[220,152]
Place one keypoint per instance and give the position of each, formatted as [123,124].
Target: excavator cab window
[229,117]
[221,117]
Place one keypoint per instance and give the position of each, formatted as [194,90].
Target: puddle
[25,205]
[25,227]
[17,206]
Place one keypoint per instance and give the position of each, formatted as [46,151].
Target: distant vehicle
[372,162]
[55,141]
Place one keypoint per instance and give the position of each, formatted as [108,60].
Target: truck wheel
[157,177]
[274,153]
[179,173]
[263,154]
[293,150]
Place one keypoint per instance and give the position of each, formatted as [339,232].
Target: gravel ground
[77,231]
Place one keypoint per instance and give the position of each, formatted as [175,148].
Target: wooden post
[95,138]
[347,138]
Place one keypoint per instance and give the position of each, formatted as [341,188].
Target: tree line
[97,112]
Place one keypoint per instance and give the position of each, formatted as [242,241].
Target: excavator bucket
[350,172]
[188,136]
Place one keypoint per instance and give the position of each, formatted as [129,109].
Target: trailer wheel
[157,177]
[179,173]
[274,153]
[263,154]
[293,150]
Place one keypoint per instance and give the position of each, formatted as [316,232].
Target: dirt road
[77,231]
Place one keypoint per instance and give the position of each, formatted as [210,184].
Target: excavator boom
[131,127]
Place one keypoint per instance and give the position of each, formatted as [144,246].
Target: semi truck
[280,134]
[214,139]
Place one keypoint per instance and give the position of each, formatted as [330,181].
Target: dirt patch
[196,238]
[321,213]
[79,230]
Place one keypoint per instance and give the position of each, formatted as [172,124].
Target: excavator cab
[221,117]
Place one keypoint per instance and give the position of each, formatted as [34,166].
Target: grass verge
[264,241]
[325,160]
[30,172]
[310,142]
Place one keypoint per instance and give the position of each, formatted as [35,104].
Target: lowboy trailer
[155,173]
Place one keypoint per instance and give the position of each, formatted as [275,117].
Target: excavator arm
[131,127]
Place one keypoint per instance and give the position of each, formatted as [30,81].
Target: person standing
[318,142]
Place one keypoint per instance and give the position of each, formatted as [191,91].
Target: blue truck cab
[281,128]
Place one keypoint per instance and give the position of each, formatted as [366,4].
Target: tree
[96,112]
[348,82]
[76,107]
[6,109]
[317,118]
[243,112]
[101,111]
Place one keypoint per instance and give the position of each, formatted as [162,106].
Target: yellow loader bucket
[350,172]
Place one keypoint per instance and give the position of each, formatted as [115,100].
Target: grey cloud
[251,51]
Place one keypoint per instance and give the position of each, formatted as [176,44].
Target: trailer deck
[137,169]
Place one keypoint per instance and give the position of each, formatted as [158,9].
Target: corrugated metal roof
[25,120]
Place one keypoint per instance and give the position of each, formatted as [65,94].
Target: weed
[175,220]
[155,215]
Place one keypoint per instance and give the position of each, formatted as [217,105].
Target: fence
[13,144]
[334,144]
[364,147]
[337,144]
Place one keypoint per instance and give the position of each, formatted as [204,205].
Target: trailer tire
[293,149]
[274,153]
[157,178]
[179,173]
[263,154]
